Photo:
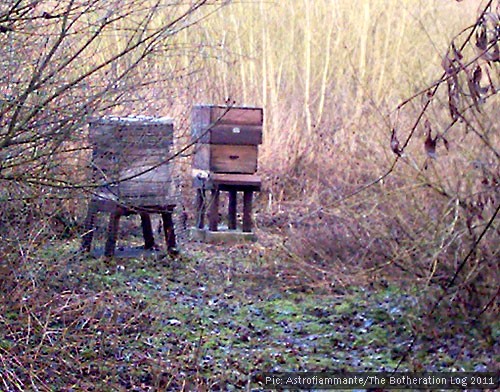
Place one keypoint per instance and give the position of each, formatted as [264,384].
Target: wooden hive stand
[231,183]
[130,166]
[225,159]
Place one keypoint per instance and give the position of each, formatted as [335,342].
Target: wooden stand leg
[231,216]
[89,226]
[247,211]
[200,208]
[213,214]
[147,231]
[114,224]
[168,228]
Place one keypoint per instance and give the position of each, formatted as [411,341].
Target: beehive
[227,138]
[130,159]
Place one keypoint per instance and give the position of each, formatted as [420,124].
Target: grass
[337,281]
[154,322]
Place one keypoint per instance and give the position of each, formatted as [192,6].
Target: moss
[132,323]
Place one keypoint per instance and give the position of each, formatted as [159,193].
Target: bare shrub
[425,212]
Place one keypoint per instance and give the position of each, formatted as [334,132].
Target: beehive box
[227,138]
[130,159]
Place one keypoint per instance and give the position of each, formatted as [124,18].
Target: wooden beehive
[130,159]
[226,138]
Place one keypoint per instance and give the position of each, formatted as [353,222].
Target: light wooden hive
[130,160]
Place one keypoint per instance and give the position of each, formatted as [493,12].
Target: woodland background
[380,158]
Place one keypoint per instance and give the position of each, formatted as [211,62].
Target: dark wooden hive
[226,138]
[130,159]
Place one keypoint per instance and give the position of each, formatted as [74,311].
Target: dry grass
[338,207]
[329,75]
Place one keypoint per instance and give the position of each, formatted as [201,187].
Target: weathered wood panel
[130,158]
[250,181]
[223,125]
[201,157]
[227,181]
[233,159]
[226,158]
[231,134]
[237,115]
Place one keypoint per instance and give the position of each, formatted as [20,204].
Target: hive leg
[213,214]
[89,226]
[231,218]
[247,211]
[114,224]
[168,228]
[147,231]
[200,208]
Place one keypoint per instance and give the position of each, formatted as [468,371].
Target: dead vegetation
[380,168]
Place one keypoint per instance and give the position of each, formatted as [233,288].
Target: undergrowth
[209,321]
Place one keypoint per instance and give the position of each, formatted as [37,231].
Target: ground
[214,318]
